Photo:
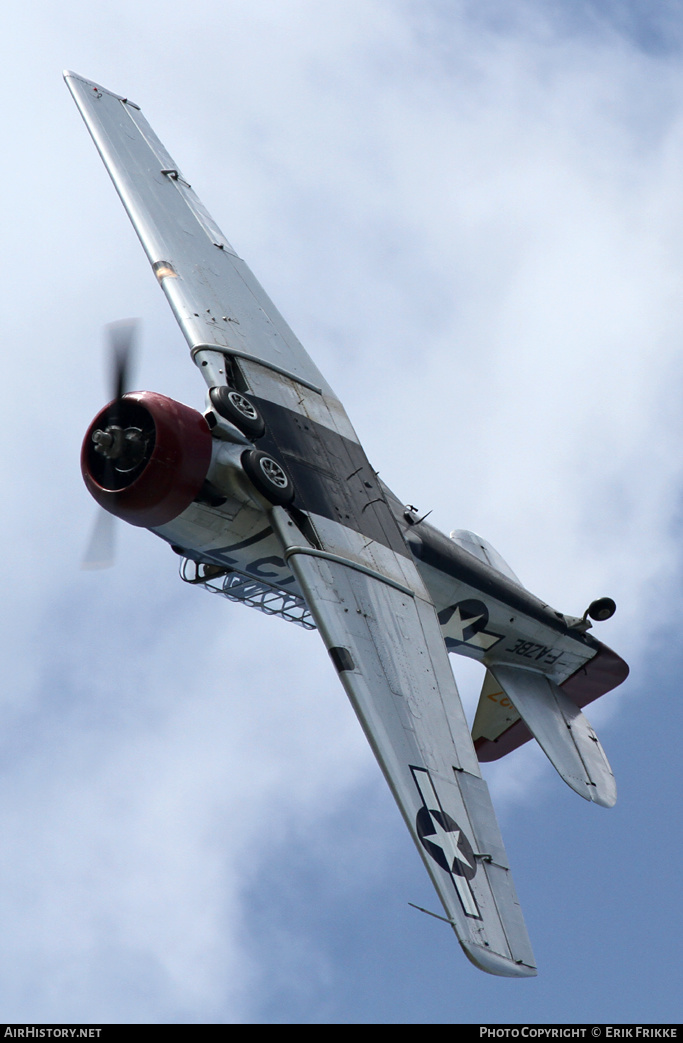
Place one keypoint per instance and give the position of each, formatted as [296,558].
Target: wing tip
[68,75]
[493,963]
[605,796]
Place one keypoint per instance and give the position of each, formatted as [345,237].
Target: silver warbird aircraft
[269,499]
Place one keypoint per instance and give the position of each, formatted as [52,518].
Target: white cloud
[476,232]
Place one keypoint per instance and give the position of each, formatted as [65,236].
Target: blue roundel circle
[443,839]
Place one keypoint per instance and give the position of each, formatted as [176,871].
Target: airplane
[269,499]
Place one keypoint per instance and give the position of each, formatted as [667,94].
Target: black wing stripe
[332,475]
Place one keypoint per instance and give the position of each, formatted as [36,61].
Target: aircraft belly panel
[248,545]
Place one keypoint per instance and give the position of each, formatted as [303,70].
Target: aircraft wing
[215,298]
[385,642]
[339,537]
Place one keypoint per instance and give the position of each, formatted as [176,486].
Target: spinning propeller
[115,444]
[121,348]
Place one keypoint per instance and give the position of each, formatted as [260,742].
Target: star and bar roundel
[445,841]
[465,624]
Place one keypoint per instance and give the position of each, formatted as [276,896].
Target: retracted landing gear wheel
[268,476]
[238,409]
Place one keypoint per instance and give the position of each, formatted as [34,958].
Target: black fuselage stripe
[442,554]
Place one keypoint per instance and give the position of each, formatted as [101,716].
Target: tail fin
[495,712]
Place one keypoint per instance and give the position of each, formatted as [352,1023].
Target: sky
[471,213]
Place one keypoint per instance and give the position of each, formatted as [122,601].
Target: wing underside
[218,303]
[386,645]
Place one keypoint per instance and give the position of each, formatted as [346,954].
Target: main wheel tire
[268,476]
[238,409]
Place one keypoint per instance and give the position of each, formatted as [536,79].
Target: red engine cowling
[145,457]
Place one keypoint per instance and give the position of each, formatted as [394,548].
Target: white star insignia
[457,625]
[448,841]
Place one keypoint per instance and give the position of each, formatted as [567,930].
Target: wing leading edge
[386,645]
[219,305]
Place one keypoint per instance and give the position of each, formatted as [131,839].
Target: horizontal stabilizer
[562,732]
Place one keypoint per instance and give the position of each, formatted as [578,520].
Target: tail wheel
[238,409]
[268,476]
[603,608]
